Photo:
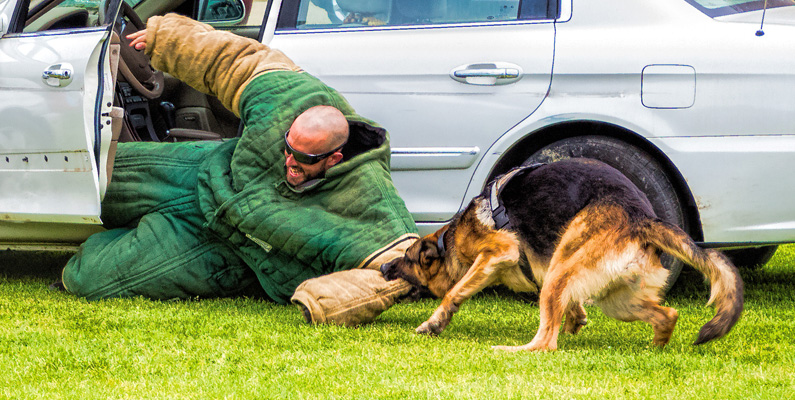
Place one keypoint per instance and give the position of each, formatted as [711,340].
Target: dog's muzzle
[390,273]
[386,269]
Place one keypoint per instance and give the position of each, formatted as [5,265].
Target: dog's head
[425,265]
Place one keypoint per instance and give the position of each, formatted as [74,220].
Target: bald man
[305,191]
[321,131]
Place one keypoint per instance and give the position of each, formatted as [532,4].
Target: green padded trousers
[156,245]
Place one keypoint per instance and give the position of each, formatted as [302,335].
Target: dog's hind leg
[662,320]
[637,298]
[576,318]
[627,304]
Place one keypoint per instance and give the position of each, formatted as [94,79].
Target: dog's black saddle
[498,212]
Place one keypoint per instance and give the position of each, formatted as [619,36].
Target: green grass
[56,346]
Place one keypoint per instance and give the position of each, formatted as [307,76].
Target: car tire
[751,258]
[641,168]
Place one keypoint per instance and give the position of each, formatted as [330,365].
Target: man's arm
[213,62]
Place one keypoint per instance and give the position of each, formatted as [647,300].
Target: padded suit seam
[147,161]
[145,275]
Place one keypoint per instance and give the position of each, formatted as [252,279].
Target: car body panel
[375,77]
[709,97]
[732,110]
[602,55]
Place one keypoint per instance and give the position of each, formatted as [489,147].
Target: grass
[56,346]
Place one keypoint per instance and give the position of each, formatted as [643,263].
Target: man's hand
[138,39]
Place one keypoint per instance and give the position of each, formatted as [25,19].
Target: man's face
[296,172]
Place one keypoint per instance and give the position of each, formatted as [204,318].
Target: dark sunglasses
[304,158]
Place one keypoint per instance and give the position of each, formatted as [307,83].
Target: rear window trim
[288,16]
[293,30]
[751,6]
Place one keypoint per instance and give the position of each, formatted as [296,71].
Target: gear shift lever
[169,113]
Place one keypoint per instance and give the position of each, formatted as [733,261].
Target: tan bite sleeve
[350,298]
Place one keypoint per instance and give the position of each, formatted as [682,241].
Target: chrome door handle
[498,73]
[493,72]
[58,75]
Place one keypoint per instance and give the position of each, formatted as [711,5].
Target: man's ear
[333,159]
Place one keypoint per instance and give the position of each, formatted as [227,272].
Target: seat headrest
[365,6]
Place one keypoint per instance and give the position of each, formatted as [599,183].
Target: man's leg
[149,177]
[168,255]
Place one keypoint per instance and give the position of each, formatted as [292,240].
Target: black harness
[498,212]
[500,215]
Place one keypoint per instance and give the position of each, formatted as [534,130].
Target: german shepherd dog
[580,230]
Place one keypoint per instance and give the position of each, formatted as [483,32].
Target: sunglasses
[305,158]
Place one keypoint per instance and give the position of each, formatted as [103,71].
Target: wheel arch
[536,140]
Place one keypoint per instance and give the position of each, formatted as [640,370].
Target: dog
[574,230]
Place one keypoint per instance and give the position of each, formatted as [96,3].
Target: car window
[324,14]
[232,13]
[67,14]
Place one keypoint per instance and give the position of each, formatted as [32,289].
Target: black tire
[643,170]
[752,257]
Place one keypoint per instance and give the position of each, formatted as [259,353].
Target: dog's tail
[726,284]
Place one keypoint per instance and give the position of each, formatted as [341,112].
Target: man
[320,132]
[305,190]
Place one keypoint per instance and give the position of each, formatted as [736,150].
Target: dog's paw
[509,349]
[515,349]
[429,329]
[574,327]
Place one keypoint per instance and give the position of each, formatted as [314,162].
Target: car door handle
[58,75]
[495,72]
[498,73]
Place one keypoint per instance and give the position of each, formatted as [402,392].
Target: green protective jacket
[285,235]
[242,203]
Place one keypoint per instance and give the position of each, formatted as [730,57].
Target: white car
[694,100]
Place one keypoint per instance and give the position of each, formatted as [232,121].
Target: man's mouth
[295,172]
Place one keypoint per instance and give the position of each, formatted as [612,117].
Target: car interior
[149,105]
[155,106]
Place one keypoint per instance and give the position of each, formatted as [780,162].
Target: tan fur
[602,256]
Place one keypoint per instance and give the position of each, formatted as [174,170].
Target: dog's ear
[428,252]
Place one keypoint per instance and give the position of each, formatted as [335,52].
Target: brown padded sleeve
[213,62]
[389,252]
[350,298]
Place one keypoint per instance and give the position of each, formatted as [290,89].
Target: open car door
[56,95]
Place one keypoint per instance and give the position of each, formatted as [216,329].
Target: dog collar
[498,212]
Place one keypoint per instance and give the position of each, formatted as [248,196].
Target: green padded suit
[213,219]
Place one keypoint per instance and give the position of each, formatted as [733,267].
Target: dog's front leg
[552,303]
[483,273]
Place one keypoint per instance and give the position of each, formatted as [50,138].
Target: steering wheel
[134,64]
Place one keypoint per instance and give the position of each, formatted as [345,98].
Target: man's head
[313,143]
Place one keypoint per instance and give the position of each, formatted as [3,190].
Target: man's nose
[290,161]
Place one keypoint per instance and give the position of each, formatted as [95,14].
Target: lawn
[56,346]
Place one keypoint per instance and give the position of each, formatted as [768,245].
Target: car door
[56,92]
[447,78]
